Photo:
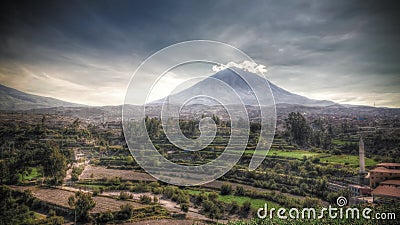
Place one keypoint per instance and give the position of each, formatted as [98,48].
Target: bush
[125,213]
[105,217]
[200,198]
[124,196]
[212,196]
[154,184]
[233,207]
[169,191]
[226,189]
[239,191]
[158,190]
[185,207]
[76,171]
[180,197]
[144,199]
[96,191]
[245,209]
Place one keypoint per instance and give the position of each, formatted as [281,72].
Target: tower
[364,179]
[362,156]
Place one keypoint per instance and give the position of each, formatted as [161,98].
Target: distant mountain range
[12,99]
[242,88]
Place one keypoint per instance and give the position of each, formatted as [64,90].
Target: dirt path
[166,203]
[166,222]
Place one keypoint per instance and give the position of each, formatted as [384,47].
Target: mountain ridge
[12,99]
[242,88]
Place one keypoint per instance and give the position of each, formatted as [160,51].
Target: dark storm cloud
[323,49]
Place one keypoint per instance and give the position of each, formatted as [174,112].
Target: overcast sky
[86,51]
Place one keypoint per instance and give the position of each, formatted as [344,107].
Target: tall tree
[297,129]
[55,164]
[82,203]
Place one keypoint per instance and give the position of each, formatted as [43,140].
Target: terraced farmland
[97,173]
[60,197]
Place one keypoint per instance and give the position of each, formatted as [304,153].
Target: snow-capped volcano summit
[241,87]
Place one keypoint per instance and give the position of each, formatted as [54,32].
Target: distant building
[386,194]
[358,190]
[384,171]
[386,178]
[393,183]
[394,166]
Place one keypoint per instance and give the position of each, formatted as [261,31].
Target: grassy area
[343,142]
[39,216]
[296,154]
[348,159]
[255,202]
[299,154]
[91,185]
[33,175]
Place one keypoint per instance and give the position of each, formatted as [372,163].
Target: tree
[239,190]
[55,165]
[234,207]
[14,207]
[327,141]
[144,199]
[212,196]
[298,131]
[82,203]
[125,213]
[185,207]
[245,209]
[211,209]
[226,189]
[216,119]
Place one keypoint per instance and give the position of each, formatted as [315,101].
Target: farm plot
[60,197]
[97,173]
[168,222]
[104,204]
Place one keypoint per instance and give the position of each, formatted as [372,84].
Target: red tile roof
[389,191]
[384,170]
[388,164]
[392,182]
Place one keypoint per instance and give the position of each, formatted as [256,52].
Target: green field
[325,157]
[33,175]
[255,202]
[92,185]
[348,159]
[296,154]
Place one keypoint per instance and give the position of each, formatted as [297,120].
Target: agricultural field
[255,202]
[60,197]
[168,222]
[98,173]
[293,174]
[296,154]
[352,160]
[348,160]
